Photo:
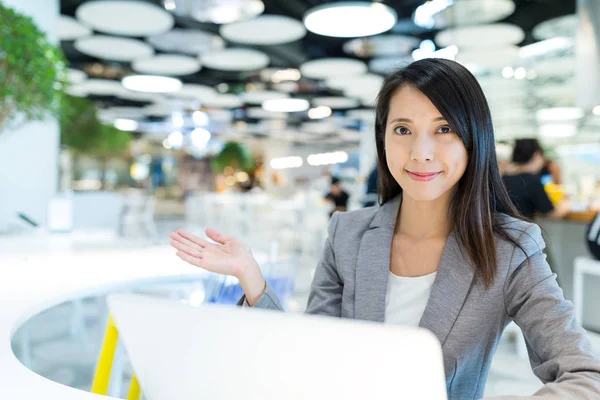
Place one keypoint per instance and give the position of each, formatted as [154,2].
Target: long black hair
[456,94]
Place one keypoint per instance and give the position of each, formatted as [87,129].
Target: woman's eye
[401,130]
[445,129]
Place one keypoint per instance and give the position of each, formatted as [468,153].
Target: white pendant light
[560,130]
[286,105]
[217,11]
[560,114]
[151,83]
[124,124]
[350,19]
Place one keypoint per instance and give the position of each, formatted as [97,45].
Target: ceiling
[527,14]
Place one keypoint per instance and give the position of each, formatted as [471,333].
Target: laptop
[212,352]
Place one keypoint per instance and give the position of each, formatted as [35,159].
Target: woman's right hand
[228,257]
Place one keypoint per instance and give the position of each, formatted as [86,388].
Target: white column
[367,150]
[588,54]
[29,155]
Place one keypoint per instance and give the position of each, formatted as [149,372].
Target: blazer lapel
[373,264]
[449,291]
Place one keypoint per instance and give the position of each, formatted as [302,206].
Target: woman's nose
[422,148]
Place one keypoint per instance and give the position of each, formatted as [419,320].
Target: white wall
[29,156]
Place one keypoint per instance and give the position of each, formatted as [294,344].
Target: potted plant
[32,71]
[234,155]
[82,133]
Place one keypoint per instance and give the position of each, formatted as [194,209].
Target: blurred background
[123,120]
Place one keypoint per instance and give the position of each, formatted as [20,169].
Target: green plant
[32,71]
[234,155]
[82,132]
[111,142]
[79,124]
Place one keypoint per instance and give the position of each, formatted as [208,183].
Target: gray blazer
[351,281]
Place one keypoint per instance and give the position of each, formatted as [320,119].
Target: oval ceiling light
[167,64]
[545,46]
[319,112]
[235,59]
[195,91]
[559,114]
[356,85]
[113,48]
[70,29]
[223,101]
[386,65]
[350,19]
[561,130]
[76,76]
[259,97]
[481,36]
[128,125]
[259,30]
[381,46]
[473,12]
[219,11]
[101,87]
[565,26]
[125,17]
[286,105]
[286,162]
[323,68]
[489,58]
[151,83]
[188,41]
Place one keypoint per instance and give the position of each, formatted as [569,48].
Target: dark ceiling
[528,13]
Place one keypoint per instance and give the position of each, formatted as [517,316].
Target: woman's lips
[422,176]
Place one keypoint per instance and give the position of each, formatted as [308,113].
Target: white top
[407,298]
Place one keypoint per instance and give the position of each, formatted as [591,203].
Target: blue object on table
[230,293]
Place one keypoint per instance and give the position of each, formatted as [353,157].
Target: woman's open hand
[229,256]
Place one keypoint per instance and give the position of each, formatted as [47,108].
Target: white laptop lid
[218,352]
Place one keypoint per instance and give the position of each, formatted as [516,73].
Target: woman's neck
[424,219]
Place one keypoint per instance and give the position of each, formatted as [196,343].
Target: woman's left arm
[559,350]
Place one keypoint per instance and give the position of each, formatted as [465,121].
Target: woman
[436,253]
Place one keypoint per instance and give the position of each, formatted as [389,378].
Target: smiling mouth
[423,176]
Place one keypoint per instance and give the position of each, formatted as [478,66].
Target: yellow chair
[105,364]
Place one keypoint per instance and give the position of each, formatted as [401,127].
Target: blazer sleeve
[560,353]
[326,291]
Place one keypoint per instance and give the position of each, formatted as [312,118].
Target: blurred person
[524,182]
[435,253]
[337,196]
[552,169]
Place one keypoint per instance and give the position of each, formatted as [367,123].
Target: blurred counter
[581,216]
[566,240]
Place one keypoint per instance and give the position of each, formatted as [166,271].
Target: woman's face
[424,155]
